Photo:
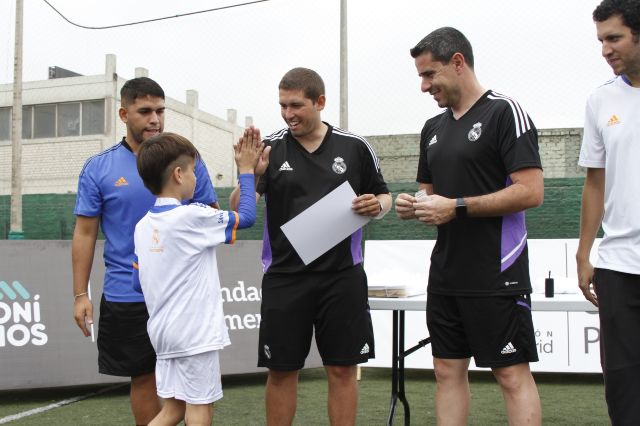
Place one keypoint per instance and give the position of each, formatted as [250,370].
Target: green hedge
[50,216]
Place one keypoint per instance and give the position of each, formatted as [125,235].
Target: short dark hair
[443,43]
[303,79]
[139,87]
[629,10]
[159,155]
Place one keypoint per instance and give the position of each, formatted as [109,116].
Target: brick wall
[49,167]
[559,149]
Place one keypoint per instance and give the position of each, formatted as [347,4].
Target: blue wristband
[247,205]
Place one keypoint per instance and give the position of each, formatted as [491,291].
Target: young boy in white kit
[175,268]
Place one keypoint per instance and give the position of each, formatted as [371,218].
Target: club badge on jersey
[475,132]
[339,165]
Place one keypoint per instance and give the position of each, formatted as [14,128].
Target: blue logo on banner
[12,292]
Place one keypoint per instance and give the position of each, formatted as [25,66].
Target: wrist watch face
[461,208]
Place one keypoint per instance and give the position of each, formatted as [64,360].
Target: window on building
[5,124]
[57,120]
[93,117]
[69,119]
[27,122]
[44,121]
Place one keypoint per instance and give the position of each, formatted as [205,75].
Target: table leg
[401,395]
[398,353]
[394,369]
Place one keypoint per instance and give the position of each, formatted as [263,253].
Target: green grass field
[567,399]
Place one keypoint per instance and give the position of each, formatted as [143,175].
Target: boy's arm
[247,206]
[234,198]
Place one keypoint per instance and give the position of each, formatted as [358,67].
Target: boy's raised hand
[249,151]
[263,161]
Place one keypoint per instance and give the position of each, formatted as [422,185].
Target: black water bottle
[548,286]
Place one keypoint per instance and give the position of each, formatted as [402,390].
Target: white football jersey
[175,249]
[612,141]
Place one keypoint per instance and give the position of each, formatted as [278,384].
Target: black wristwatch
[461,208]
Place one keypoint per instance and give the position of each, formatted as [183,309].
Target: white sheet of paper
[324,224]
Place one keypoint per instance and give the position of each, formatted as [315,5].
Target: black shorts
[496,331]
[619,310]
[124,348]
[334,303]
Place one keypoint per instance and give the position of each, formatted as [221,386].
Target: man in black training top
[309,159]
[480,167]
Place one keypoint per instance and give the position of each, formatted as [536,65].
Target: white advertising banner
[40,344]
[567,337]
[567,342]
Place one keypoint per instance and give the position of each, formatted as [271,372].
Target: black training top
[295,179]
[473,156]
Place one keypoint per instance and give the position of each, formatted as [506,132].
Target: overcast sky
[544,53]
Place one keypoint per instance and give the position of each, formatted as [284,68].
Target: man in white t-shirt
[175,267]
[611,197]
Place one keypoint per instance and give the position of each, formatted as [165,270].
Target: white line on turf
[58,404]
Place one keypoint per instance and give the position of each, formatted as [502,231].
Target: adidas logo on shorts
[509,349]
[365,349]
[267,351]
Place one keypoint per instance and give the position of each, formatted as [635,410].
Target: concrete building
[67,120]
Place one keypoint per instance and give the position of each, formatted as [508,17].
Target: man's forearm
[509,200]
[82,252]
[591,212]
[526,191]
[83,247]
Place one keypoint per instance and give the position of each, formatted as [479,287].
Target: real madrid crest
[339,165]
[475,132]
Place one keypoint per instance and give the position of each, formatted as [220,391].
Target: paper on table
[399,283]
[324,224]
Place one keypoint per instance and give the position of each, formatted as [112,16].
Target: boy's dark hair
[443,43]
[629,10]
[139,87]
[303,79]
[159,155]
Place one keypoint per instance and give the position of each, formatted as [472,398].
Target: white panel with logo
[566,326]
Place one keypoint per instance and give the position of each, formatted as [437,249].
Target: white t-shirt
[612,141]
[175,249]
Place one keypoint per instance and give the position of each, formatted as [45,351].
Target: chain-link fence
[222,66]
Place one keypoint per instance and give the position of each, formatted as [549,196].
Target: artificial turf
[567,399]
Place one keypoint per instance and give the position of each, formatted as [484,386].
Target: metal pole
[15,232]
[344,90]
